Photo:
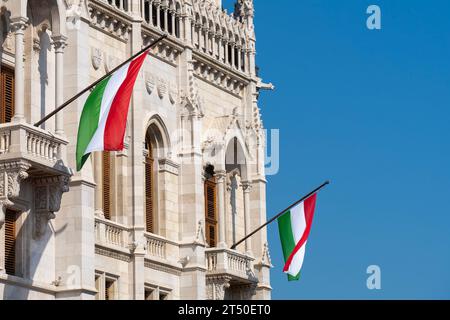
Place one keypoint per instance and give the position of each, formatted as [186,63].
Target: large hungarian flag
[294,227]
[104,117]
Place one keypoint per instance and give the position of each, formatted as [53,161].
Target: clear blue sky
[369,110]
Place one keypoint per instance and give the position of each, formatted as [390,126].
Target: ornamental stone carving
[162,88]
[96,58]
[150,82]
[47,200]
[216,287]
[11,176]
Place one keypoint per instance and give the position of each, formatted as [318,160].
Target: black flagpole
[79,94]
[323,185]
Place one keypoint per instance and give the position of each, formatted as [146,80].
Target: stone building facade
[156,220]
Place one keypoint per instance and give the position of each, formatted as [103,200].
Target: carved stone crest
[150,82]
[173,93]
[96,58]
[162,88]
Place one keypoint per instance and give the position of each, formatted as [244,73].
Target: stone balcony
[30,156]
[237,267]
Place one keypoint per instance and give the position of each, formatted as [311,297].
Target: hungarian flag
[294,227]
[104,117]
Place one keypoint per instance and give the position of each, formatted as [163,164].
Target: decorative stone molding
[216,287]
[167,165]
[109,21]
[220,77]
[265,260]
[11,176]
[112,254]
[96,58]
[168,51]
[200,237]
[47,200]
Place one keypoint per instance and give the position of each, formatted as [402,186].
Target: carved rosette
[11,176]
[216,287]
[47,200]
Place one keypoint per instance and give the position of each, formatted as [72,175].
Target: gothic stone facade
[156,220]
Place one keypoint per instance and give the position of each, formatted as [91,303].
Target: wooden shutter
[10,242]
[6,95]
[107,184]
[211,213]
[109,290]
[149,186]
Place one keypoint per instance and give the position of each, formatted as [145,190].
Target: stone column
[221,177]
[59,42]
[226,51]
[18,26]
[173,14]
[233,55]
[247,188]
[158,15]
[150,12]
[239,57]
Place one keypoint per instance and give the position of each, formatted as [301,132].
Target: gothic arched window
[149,188]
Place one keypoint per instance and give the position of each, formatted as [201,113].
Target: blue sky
[369,110]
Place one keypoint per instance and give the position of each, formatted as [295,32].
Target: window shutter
[7,95]
[10,242]
[149,186]
[107,185]
[211,213]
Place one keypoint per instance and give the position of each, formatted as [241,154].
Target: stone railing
[160,248]
[225,261]
[110,233]
[24,141]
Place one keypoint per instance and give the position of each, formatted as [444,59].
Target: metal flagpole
[79,94]
[323,185]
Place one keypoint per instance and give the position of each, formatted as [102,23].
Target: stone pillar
[221,176]
[226,51]
[59,43]
[233,55]
[173,13]
[158,15]
[18,26]
[247,188]
[239,57]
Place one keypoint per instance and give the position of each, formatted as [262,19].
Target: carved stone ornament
[47,200]
[150,82]
[11,176]
[216,287]
[173,93]
[96,58]
[162,88]
[111,62]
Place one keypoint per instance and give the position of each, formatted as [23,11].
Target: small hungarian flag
[294,227]
[104,117]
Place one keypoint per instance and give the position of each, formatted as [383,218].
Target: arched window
[211,223]
[149,187]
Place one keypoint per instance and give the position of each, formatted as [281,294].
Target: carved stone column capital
[59,43]
[247,186]
[19,25]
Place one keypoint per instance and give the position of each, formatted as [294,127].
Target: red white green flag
[104,117]
[294,227]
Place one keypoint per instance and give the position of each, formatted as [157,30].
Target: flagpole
[309,195]
[79,94]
